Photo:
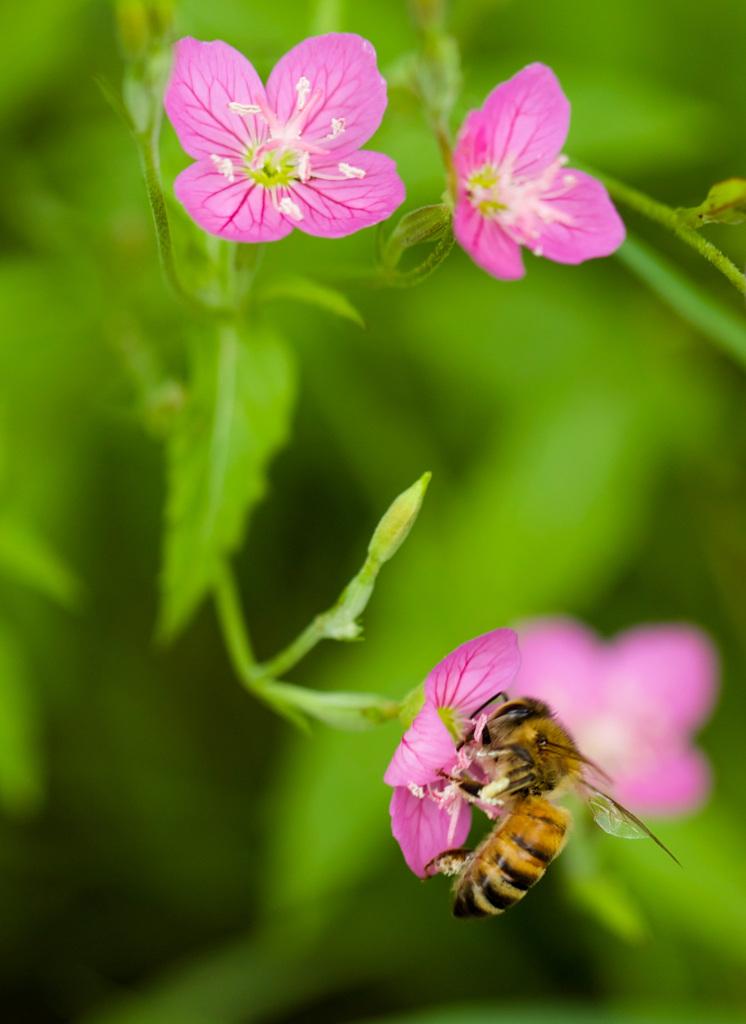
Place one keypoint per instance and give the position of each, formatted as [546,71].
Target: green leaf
[29,559]
[708,316]
[21,782]
[303,289]
[235,418]
[725,204]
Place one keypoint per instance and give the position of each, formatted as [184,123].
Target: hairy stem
[669,218]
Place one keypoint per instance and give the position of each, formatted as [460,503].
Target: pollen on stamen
[242,109]
[338,126]
[416,790]
[302,88]
[223,166]
[291,209]
[569,179]
[351,172]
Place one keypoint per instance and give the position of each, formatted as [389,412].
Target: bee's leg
[469,787]
[450,862]
[494,792]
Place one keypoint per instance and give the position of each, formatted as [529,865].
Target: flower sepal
[424,225]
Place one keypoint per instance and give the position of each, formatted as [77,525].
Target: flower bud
[143,25]
[134,29]
[398,521]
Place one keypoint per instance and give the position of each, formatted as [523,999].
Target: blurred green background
[171,852]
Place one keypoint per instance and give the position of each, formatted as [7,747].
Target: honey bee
[525,756]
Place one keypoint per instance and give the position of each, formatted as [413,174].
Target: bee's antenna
[501,693]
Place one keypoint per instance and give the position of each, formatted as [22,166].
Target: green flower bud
[398,521]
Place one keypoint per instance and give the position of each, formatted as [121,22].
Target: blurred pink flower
[631,704]
[269,161]
[428,813]
[513,188]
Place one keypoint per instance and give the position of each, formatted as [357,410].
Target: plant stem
[148,161]
[669,218]
[233,626]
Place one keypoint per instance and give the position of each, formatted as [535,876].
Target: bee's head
[513,713]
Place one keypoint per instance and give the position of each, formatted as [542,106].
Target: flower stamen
[351,172]
[290,208]
[242,109]
[302,88]
[338,126]
[224,166]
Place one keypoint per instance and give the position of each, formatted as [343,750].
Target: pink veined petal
[421,828]
[527,119]
[668,672]
[425,747]
[562,663]
[476,671]
[472,150]
[678,783]
[487,244]
[595,227]
[343,66]
[207,77]
[333,209]
[241,212]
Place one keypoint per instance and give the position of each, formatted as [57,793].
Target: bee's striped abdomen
[512,858]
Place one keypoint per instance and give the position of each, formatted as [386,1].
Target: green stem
[669,218]
[233,626]
[148,160]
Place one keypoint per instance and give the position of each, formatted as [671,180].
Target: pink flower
[631,704]
[429,814]
[513,187]
[288,156]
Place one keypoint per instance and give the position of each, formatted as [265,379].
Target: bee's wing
[618,821]
[574,753]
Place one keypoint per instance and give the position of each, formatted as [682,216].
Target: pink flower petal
[473,673]
[425,747]
[486,242]
[205,79]
[526,119]
[241,211]
[562,664]
[421,828]
[678,783]
[333,209]
[668,671]
[343,66]
[594,229]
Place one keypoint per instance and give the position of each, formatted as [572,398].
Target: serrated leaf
[725,204]
[235,418]
[21,783]
[28,558]
[303,289]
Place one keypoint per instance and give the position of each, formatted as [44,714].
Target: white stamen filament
[242,109]
[290,209]
[224,166]
[351,172]
[338,126]
[302,88]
